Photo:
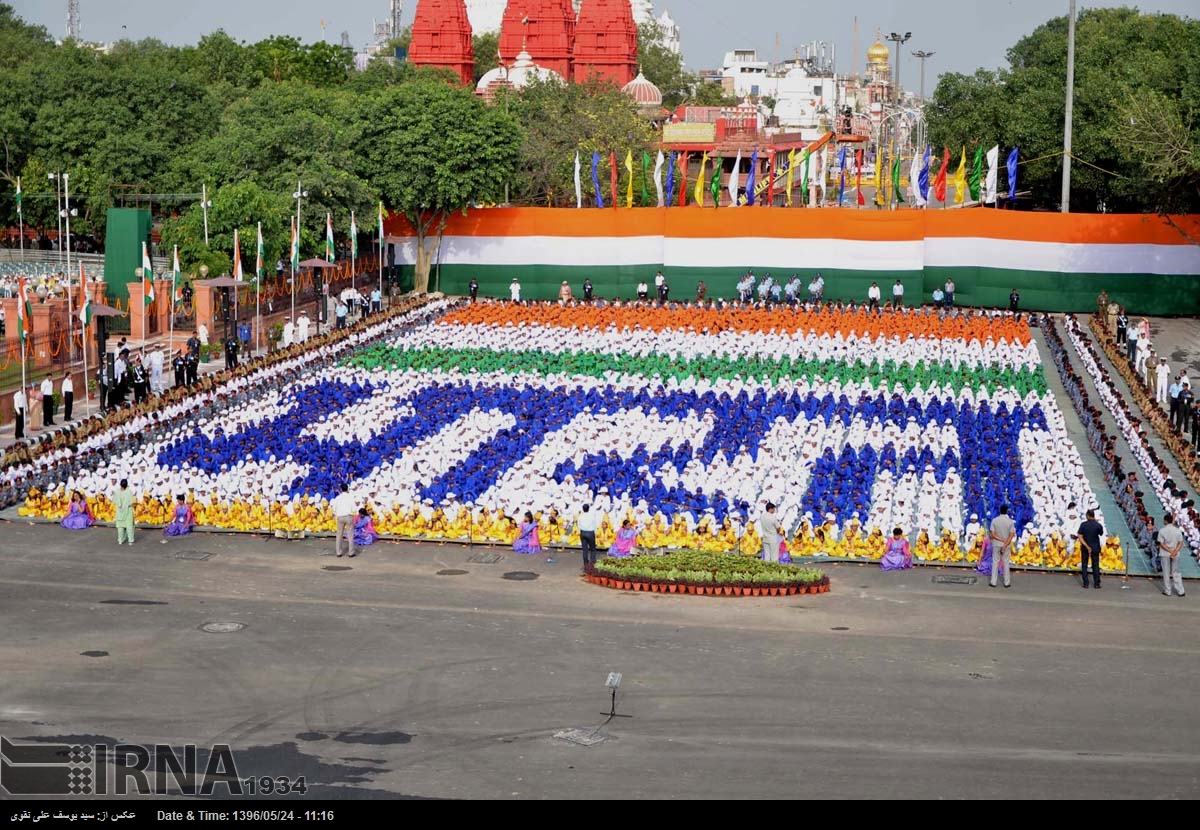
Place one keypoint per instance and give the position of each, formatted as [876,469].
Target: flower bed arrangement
[708,574]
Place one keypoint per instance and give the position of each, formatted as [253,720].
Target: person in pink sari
[528,539]
[626,538]
[896,555]
[183,519]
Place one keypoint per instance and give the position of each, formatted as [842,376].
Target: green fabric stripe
[1154,294]
[596,364]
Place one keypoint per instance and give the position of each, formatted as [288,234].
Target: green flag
[896,181]
[716,181]
[804,178]
[645,178]
[976,174]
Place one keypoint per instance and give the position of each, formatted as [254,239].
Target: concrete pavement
[390,679]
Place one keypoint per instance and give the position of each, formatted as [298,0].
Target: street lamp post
[299,195]
[922,56]
[57,179]
[205,204]
[899,40]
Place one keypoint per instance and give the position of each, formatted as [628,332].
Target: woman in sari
[896,556]
[528,538]
[626,537]
[364,528]
[79,515]
[985,558]
[182,521]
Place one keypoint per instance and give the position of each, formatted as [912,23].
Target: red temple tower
[441,36]
[514,29]
[551,34]
[606,42]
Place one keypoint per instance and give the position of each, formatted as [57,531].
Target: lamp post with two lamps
[899,40]
[923,56]
[205,204]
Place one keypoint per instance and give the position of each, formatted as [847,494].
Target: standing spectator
[514,290]
[377,298]
[1122,327]
[177,365]
[660,283]
[344,510]
[123,502]
[1131,343]
[1162,373]
[231,350]
[643,290]
[341,311]
[1002,533]
[873,297]
[1183,412]
[588,522]
[1014,301]
[1089,534]
[898,295]
[20,410]
[47,402]
[564,292]
[68,395]
[770,532]
[948,292]
[1170,542]
[588,290]
[473,289]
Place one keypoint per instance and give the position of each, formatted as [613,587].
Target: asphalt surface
[389,680]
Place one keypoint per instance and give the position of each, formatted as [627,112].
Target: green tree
[487,53]
[661,66]
[241,205]
[1126,61]
[560,119]
[432,149]
[20,42]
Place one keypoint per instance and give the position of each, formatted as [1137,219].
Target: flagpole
[353,251]
[87,395]
[258,269]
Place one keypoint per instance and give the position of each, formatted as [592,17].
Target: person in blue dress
[79,515]
[182,521]
[364,528]
[528,540]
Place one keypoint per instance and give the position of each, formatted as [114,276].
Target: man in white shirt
[873,296]
[68,395]
[344,508]
[643,290]
[47,402]
[588,522]
[1162,373]
[20,410]
[898,294]
[514,290]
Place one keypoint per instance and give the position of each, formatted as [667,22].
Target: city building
[441,36]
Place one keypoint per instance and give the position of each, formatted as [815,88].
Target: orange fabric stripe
[857,322]
[828,223]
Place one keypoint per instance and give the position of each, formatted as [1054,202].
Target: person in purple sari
[985,558]
[896,555]
[364,528]
[626,538]
[183,519]
[79,515]
[528,540]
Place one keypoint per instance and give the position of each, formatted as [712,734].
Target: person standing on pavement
[20,410]
[1014,301]
[873,297]
[344,510]
[47,402]
[123,502]
[588,522]
[68,395]
[1170,542]
[770,532]
[897,294]
[1002,533]
[1090,533]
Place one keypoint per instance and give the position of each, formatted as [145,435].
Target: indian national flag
[329,237]
[295,248]
[20,194]
[353,236]
[176,276]
[147,277]
[382,213]
[258,262]
[24,309]
[85,301]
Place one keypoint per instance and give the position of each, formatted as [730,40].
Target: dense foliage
[1136,132]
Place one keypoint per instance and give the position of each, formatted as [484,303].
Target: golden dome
[878,53]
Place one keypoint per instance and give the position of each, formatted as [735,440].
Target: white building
[643,11]
[485,15]
[670,32]
[806,93]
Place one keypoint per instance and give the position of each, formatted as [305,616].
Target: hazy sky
[963,35]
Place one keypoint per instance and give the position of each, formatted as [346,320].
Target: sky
[709,28]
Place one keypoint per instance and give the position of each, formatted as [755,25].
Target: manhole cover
[451,572]
[195,555]
[956,580]
[93,654]
[222,627]
[337,568]
[581,737]
[840,628]
[131,602]
[520,576]
[485,558]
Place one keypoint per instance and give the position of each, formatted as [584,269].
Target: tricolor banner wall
[1057,262]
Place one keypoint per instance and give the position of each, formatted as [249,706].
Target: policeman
[231,352]
[177,363]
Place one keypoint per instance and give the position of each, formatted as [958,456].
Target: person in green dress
[123,501]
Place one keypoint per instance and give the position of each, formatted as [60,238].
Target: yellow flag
[698,193]
[791,174]
[960,179]
[879,176]
[629,175]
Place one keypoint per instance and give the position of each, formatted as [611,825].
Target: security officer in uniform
[231,352]
[191,367]
[177,363]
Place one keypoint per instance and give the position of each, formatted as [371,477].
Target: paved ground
[391,680]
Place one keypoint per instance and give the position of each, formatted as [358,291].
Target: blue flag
[842,183]
[671,179]
[1012,175]
[751,179]
[924,177]
[596,180]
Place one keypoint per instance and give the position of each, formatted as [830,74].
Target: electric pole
[922,56]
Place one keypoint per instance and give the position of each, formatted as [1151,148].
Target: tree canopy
[1136,136]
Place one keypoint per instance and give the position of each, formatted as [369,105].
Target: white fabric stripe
[785,255]
[677,343]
